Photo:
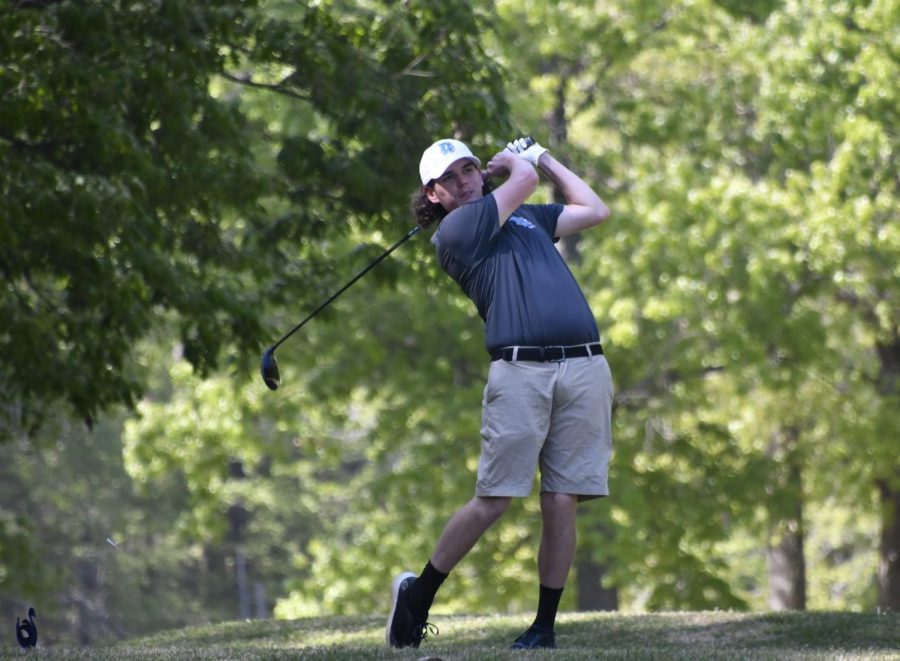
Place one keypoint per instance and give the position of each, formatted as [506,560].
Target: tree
[197,170]
[104,561]
[838,121]
[784,143]
[120,170]
[140,180]
[708,122]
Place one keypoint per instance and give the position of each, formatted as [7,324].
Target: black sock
[548,604]
[421,594]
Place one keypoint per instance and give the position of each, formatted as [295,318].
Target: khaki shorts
[556,416]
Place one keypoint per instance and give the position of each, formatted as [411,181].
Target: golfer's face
[460,183]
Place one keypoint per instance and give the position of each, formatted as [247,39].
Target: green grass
[581,636]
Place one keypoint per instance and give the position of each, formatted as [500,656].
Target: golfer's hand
[528,149]
[501,164]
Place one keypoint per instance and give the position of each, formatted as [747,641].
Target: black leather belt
[547,354]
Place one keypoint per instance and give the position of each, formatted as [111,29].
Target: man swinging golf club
[548,399]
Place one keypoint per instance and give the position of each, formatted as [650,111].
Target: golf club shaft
[328,302]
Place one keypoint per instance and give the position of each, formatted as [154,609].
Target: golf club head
[269,368]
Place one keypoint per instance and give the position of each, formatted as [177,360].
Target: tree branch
[277,87]
[34,4]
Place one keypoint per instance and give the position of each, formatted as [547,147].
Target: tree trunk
[889,492]
[559,134]
[592,595]
[260,601]
[87,581]
[889,547]
[243,590]
[238,517]
[787,565]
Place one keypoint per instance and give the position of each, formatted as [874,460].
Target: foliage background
[182,182]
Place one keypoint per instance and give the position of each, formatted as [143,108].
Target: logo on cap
[440,155]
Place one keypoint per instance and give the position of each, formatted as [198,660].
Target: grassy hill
[582,636]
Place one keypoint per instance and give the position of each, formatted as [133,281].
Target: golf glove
[526,148]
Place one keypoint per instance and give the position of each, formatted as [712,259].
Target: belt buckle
[562,354]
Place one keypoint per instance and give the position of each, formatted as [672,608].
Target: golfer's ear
[431,195]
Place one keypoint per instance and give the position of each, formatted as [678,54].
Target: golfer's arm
[518,187]
[583,208]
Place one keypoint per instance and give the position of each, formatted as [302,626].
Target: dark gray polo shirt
[519,282]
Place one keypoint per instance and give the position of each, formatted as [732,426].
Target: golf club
[268,364]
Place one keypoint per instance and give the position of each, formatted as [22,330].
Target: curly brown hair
[427,213]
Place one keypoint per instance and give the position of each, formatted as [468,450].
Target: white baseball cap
[440,156]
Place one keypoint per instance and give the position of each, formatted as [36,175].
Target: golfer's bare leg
[557,551]
[465,528]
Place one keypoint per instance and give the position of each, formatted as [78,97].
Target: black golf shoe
[535,638]
[403,628]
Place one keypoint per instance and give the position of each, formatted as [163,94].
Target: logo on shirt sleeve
[522,222]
